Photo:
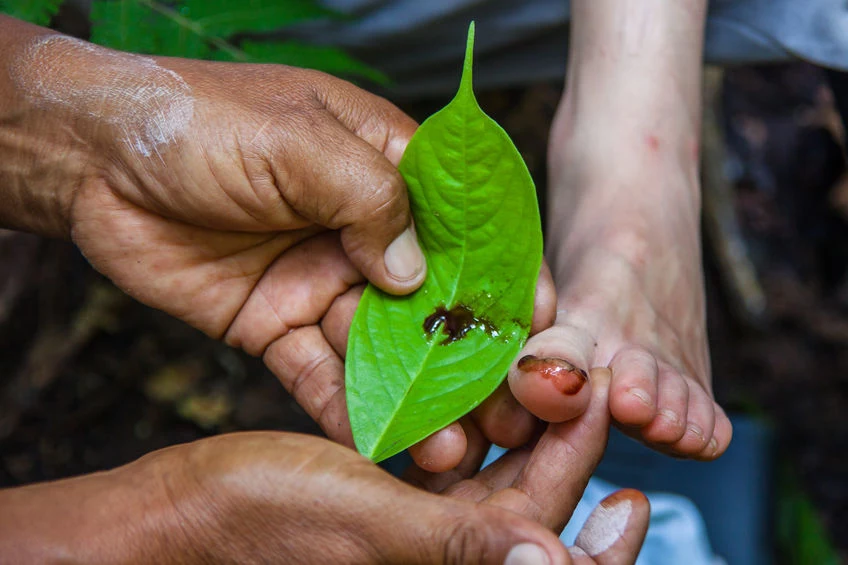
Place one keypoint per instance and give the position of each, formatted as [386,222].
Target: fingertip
[616,528]
[442,451]
[503,420]
[404,262]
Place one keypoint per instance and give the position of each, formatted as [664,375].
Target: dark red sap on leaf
[457,322]
[567,378]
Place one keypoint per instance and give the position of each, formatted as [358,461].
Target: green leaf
[415,364]
[210,29]
[39,12]
[146,27]
[226,17]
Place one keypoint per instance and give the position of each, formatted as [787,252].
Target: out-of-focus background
[91,379]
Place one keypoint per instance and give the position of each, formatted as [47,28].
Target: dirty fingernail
[642,395]
[565,377]
[527,554]
[403,257]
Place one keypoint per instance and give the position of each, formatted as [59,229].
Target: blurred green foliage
[222,30]
[36,11]
[801,536]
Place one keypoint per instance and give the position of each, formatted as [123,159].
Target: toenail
[564,376]
[695,430]
[712,447]
[670,416]
[641,395]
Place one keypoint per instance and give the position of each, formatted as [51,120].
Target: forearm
[43,152]
[121,516]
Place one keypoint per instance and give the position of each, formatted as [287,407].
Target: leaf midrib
[433,343]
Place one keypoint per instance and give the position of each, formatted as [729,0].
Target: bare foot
[624,248]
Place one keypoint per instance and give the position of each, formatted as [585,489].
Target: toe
[669,424]
[550,379]
[633,392]
[503,420]
[544,306]
[700,422]
[722,434]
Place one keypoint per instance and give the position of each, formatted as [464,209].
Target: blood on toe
[565,377]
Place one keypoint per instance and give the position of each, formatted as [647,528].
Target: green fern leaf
[225,17]
[130,25]
[208,29]
[39,12]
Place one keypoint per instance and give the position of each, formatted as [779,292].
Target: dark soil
[92,379]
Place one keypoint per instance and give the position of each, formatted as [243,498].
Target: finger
[336,323]
[441,451]
[460,532]
[313,373]
[549,378]
[499,475]
[615,531]
[544,309]
[357,190]
[669,425]
[503,420]
[296,290]
[553,480]
[372,118]
[633,391]
[475,453]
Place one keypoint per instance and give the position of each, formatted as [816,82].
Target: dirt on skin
[92,379]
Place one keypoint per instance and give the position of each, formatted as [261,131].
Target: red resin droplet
[457,322]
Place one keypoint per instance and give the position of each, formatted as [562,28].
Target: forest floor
[93,379]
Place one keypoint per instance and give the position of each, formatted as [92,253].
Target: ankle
[624,143]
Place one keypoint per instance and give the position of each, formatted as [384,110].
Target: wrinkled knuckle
[466,543]
[388,196]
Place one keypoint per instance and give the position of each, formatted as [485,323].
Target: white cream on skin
[149,105]
[604,527]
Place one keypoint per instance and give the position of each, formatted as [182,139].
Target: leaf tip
[466,82]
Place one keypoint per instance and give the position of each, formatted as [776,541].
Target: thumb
[357,190]
[466,533]
[377,231]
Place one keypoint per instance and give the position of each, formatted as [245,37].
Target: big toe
[550,377]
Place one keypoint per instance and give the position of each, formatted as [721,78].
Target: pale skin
[624,237]
[232,225]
